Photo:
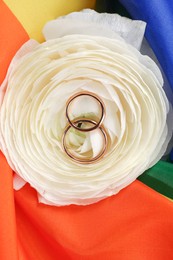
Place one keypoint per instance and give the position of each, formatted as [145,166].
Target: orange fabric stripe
[12,36]
[134,224]
[8,237]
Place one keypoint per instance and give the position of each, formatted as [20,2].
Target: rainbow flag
[135,224]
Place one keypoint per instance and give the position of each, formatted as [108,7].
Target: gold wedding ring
[92,95]
[78,124]
[81,160]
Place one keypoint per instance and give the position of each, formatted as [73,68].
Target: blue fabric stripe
[159,32]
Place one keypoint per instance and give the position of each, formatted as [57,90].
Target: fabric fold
[130,225]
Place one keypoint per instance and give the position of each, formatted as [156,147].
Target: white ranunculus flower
[42,77]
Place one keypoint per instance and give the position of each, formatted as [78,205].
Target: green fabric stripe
[160,178]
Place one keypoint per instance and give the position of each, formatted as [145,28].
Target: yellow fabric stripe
[33,14]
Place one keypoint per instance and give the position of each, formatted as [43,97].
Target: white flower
[40,80]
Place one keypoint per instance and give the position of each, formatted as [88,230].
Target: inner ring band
[85,161]
[74,122]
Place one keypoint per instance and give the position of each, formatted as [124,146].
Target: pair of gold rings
[78,124]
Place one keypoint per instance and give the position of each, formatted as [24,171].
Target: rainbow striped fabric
[136,223]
